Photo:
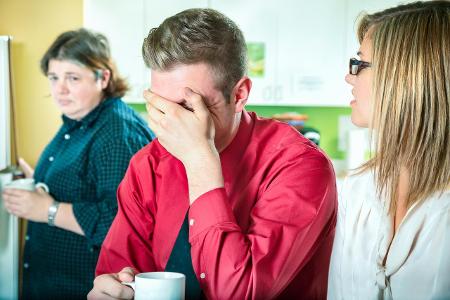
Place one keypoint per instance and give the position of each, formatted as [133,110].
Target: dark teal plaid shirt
[82,165]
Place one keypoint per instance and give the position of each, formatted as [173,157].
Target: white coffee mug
[5,178]
[26,184]
[158,286]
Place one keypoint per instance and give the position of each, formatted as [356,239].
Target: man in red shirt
[244,206]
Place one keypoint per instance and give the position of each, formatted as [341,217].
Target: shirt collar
[242,138]
[90,117]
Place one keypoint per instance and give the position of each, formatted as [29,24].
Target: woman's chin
[357,121]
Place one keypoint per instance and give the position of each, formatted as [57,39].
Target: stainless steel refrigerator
[9,227]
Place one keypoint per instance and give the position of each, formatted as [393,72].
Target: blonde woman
[393,233]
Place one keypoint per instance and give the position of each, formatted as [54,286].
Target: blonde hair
[411,98]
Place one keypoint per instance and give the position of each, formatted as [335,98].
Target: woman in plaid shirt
[82,167]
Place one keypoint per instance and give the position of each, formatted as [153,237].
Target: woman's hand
[32,206]
[26,168]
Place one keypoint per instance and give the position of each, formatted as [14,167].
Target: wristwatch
[52,210]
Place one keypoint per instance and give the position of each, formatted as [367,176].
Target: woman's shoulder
[358,188]
[359,181]
[122,121]
[122,111]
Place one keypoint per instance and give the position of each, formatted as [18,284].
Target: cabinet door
[122,22]
[258,21]
[311,63]
[304,49]
[126,24]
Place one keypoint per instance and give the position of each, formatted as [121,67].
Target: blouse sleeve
[108,165]
[126,244]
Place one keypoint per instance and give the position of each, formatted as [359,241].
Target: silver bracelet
[52,210]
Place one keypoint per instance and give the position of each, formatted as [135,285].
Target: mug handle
[131,284]
[43,186]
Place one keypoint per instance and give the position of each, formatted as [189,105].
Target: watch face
[52,210]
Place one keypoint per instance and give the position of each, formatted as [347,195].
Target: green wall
[324,119]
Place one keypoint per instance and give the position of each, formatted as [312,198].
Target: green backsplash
[324,119]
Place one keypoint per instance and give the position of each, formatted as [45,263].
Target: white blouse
[418,261]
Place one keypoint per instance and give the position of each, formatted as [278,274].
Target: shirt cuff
[210,209]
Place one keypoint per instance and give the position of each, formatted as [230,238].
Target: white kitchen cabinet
[126,24]
[304,49]
[122,22]
[307,44]
[259,22]
[299,37]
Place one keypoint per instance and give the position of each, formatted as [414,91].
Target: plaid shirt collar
[90,118]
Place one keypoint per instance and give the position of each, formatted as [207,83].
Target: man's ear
[240,93]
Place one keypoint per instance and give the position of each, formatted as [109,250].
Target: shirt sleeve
[108,165]
[126,244]
[289,221]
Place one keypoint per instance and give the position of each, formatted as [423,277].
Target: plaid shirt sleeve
[108,165]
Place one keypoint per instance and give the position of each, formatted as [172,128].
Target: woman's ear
[240,93]
[104,77]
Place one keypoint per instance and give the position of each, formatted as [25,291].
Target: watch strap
[52,210]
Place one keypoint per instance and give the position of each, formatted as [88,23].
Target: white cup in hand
[158,285]
[26,184]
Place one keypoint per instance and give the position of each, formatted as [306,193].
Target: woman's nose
[350,79]
[61,87]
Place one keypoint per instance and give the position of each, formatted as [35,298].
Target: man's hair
[411,98]
[90,50]
[199,36]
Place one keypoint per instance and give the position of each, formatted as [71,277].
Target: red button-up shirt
[267,234]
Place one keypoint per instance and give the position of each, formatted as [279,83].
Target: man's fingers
[154,113]
[195,101]
[127,274]
[110,285]
[95,295]
[154,123]
[160,103]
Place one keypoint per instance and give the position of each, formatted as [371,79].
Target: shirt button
[82,127]
[381,279]
[27,237]
[191,222]
[51,158]
[202,276]
[67,136]
[91,249]
[26,265]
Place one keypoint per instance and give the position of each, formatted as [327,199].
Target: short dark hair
[199,35]
[89,49]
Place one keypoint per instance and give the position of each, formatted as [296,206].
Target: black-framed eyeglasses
[356,66]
